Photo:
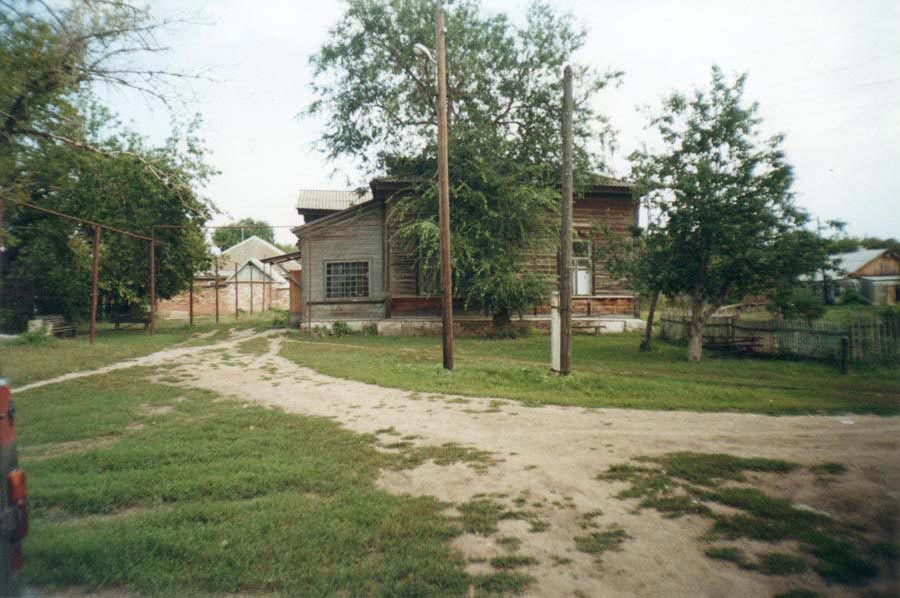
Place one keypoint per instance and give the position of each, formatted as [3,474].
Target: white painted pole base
[555,332]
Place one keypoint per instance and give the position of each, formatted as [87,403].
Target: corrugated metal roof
[324,199]
[847,264]
[853,261]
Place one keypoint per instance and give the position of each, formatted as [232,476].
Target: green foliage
[341,328]
[224,238]
[800,303]
[505,111]
[724,222]
[370,329]
[36,337]
[61,150]
[850,296]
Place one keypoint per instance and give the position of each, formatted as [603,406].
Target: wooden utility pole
[191,302]
[95,267]
[153,287]
[444,190]
[216,282]
[565,233]
[237,298]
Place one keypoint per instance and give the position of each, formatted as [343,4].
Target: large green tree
[504,96]
[242,229]
[726,219]
[61,150]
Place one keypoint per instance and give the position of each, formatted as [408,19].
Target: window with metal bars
[346,279]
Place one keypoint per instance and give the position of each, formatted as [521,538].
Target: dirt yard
[549,457]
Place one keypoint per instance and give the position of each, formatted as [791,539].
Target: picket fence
[875,340]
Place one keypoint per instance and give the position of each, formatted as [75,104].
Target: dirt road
[551,455]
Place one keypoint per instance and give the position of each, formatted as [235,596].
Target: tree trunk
[648,331]
[501,319]
[695,331]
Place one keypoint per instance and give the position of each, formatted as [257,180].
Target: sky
[826,73]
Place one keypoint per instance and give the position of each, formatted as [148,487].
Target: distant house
[251,276]
[355,270]
[875,273]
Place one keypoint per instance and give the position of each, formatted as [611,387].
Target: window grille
[346,279]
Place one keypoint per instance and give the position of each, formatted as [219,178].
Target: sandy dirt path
[553,454]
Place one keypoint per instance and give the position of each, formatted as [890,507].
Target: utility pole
[216,282]
[444,190]
[153,284]
[95,266]
[237,298]
[565,233]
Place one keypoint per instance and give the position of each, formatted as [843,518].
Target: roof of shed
[327,199]
[854,260]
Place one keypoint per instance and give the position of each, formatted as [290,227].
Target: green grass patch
[502,583]
[778,563]
[24,363]
[512,561]
[597,543]
[411,456]
[190,496]
[823,469]
[694,482]
[257,345]
[609,371]
[799,594]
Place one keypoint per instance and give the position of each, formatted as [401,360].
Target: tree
[504,103]
[61,150]
[224,238]
[723,196]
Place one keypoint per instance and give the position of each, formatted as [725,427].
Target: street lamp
[443,183]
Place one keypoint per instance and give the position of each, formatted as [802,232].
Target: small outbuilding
[874,273]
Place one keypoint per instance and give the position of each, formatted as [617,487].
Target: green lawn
[609,371]
[22,364]
[165,491]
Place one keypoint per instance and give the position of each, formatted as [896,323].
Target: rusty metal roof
[324,199]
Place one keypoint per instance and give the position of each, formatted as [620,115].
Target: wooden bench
[129,318]
[58,326]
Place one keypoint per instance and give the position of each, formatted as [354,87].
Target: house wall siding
[884,265]
[358,237]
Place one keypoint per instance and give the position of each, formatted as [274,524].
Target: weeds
[690,483]
[597,543]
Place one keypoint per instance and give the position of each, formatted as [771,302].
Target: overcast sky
[826,73]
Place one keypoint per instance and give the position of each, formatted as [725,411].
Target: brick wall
[261,295]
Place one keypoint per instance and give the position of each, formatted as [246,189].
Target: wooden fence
[874,340]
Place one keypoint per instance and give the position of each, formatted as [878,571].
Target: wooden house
[355,270]
[875,273]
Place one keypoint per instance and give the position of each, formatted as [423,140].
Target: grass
[165,491]
[512,561]
[597,543]
[23,363]
[691,483]
[609,371]
[482,515]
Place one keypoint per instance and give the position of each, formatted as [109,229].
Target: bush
[801,303]
[37,337]
[341,328]
[370,329]
[889,311]
[852,297]
[281,318]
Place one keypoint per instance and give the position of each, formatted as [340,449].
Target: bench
[58,326]
[129,318]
